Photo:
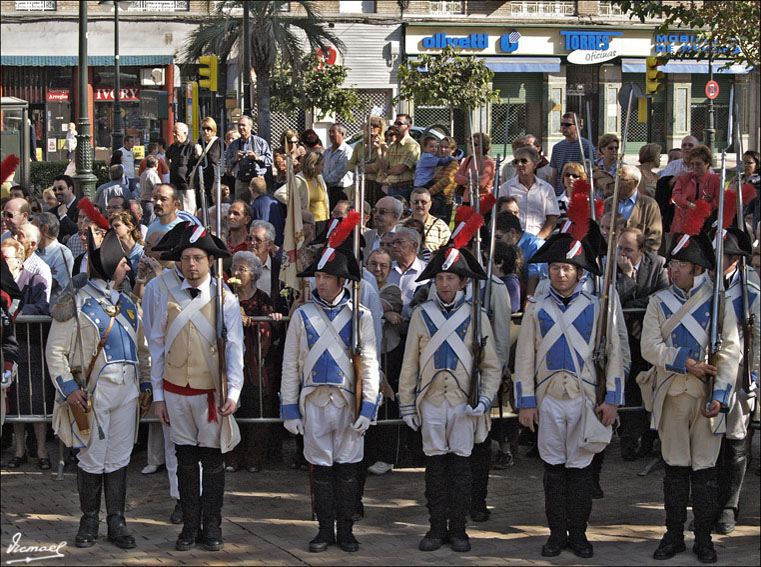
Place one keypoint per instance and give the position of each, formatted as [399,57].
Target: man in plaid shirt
[398,164]
[436,232]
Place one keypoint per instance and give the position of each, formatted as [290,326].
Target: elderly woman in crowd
[606,164]
[691,187]
[33,393]
[538,205]
[483,164]
[258,386]
[649,159]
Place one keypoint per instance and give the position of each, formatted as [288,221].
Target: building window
[447,8]
[356,6]
[228,7]
[47,6]
[610,9]
[159,6]
[543,8]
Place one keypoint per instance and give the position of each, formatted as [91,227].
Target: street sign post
[712,89]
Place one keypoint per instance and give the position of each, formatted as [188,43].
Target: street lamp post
[117,134]
[246,62]
[84,180]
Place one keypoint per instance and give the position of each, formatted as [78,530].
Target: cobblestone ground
[267,520]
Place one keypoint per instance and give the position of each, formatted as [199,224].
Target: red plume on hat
[8,167]
[599,207]
[487,202]
[88,208]
[696,217]
[578,213]
[582,186]
[475,222]
[344,229]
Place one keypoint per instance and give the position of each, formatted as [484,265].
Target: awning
[692,67]
[92,60]
[517,64]
[523,64]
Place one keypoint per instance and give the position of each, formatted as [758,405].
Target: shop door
[582,87]
[59,114]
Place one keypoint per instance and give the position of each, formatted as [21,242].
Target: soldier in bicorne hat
[435,385]
[318,389]
[675,339]
[99,362]
[556,382]
[188,378]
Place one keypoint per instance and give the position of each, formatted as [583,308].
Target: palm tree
[273,32]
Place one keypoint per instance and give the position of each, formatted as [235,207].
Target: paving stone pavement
[267,520]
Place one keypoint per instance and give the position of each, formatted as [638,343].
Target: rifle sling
[101,344]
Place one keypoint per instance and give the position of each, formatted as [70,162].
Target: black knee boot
[436,496]
[480,463]
[212,498]
[324,507]
[732,464]
[347,483]
[705,499]
[115,488]
[554,508]
[578,505]
[89,486]
[359,510]
[597,462]
[459,487]
[189,486]
[676,492]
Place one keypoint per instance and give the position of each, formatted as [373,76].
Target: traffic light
[654,77]
[208,70]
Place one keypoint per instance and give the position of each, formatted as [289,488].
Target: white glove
[362,424]
[10,372]
[412,421]
[477,411]
[294,426]
[198,150]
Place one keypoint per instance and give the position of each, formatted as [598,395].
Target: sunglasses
[573,175]
[612,148]
[206,128]
[522,161]
[566,124]
[397,123]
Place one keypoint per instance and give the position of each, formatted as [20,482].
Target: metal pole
[84,180]
[117,133]
[710,132]
[246,61]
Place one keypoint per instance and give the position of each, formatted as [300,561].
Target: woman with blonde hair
[572,172]
[208,153]
[312,189]
[48,195]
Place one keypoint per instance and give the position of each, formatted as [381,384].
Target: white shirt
[674,168]
[128,162]
[157,333]
[37,265]
[264,282]
[406,282]
[535,202]
[60,259]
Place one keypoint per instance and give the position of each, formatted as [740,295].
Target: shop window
[610,9]
[46,6]
[159,6]
[543,8]
[356,6]
[447,8]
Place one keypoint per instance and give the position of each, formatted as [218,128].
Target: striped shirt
[564,152]
[443,181]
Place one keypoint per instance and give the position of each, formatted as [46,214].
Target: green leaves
[313,86]
[732,24]
[448,79]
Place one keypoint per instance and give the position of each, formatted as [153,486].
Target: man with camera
[247,157]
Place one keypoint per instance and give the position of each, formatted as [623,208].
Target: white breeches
[116,410]
[446,429]
[560,427]
[686,436]
[328,436]
[189,420]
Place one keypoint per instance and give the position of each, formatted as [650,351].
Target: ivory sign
[584,57]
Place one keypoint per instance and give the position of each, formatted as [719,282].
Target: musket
[717,298]
[204,204]
[747,317]
[587,163]
[221,327]
[604,325]
[592,212]
[356,339]
[492,243]
[478,339]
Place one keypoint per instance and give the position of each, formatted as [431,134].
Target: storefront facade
[543,71]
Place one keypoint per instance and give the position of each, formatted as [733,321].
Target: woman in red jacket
[690,187]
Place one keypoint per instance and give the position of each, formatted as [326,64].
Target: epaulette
[65,307]
[531,299]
